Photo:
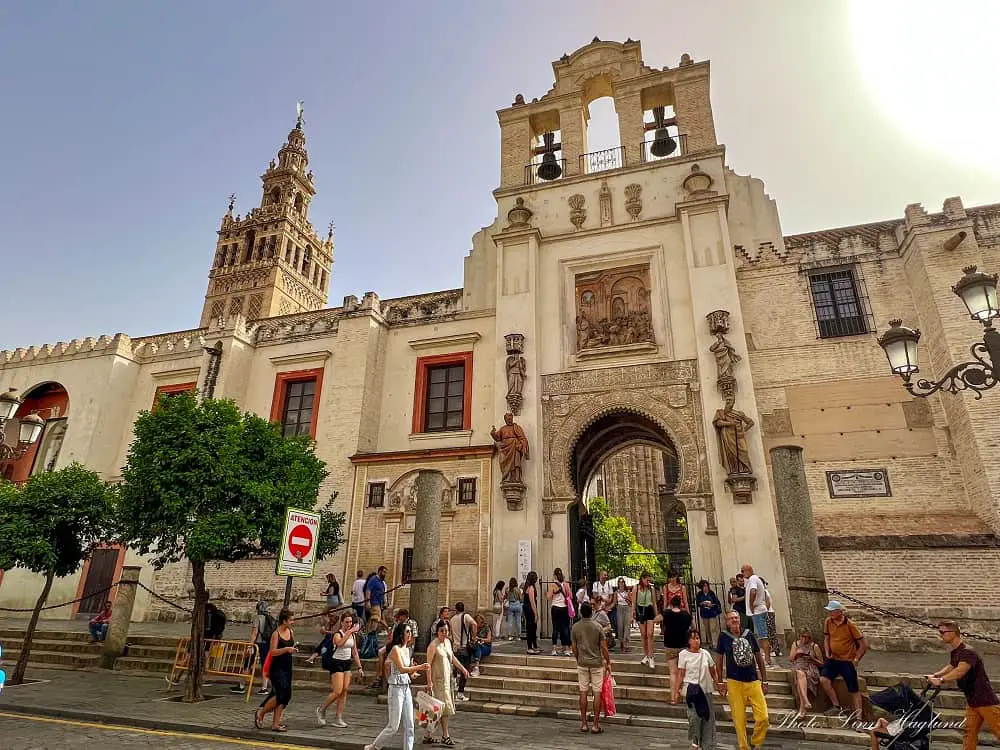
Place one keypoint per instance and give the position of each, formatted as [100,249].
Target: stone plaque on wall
[613,308]
[859,483]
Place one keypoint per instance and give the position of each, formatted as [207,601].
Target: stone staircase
[518,684]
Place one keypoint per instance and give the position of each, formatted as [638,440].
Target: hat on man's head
[833,606]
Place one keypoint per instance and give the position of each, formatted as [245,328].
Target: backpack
[742,650]
[369,646]
[326,649]
[270,625]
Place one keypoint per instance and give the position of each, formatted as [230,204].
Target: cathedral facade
[632,317]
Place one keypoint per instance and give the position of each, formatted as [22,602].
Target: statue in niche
[516,369]
[732,427]
[726,357]
[513,446]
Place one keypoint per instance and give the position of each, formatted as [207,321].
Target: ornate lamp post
[979,293]
[28,428]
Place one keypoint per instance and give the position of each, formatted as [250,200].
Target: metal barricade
[222,659]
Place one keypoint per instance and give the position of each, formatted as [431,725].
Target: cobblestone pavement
[131,701]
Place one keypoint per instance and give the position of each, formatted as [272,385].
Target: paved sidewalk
[126,700]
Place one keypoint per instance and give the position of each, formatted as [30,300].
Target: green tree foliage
[205,483]
[618,550]
[49,526]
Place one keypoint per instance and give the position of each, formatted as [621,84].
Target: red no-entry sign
[300,541]
[298,544]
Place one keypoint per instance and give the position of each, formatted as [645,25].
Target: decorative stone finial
[518,100]
[232,201]
[329,232]
[519,216]
[686,60]
[595,39]
[299,111]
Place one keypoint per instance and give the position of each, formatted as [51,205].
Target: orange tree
[205,482]
[50,525]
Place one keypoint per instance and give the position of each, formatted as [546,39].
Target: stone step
[40,644]
[67,659]
[567,662]
[51,635]
[778,685]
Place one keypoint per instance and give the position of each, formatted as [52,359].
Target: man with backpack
[746,680]
[261,628]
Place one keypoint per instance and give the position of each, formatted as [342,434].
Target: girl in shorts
[338,663]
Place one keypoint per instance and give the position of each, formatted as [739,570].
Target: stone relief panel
[613,308]
[572,401]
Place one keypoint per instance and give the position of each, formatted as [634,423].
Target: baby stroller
[909,727]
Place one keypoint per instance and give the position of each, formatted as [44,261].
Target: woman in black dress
[282,650]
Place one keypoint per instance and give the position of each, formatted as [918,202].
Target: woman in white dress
[400,697]
[442,661]
[696,673]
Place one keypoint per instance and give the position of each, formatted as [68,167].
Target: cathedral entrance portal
[625,465]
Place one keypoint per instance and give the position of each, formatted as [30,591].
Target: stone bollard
[121,616]
[430,486]
[807,591]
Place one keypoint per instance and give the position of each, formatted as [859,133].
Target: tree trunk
[22,657]
[196,646]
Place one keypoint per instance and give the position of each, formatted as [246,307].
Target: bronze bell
[549,168]
[663,143]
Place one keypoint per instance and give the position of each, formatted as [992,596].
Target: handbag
[266,669]
[429,711]
[568,596]
[608,694]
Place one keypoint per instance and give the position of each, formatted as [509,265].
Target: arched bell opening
[630,461]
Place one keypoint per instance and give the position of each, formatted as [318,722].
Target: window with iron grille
[445,409]
[467,491]
[837,304]
[376,495]
[407,572]
[297,412]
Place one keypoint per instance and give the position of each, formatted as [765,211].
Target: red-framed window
[172,390]
[442,396]
[295,404]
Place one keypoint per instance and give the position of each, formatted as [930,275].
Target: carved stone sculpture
[732,426]
[519,216]
[516,369]
[633,200]
[577,213]
[604,199]
[725,357]
[512,444]
[613,308]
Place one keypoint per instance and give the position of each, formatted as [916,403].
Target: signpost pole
[288,592]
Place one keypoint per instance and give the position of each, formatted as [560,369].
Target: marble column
[430,487]
[121,616]
[799,545]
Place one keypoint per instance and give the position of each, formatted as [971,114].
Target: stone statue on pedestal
[732,426]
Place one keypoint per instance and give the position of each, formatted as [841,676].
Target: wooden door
[100,575]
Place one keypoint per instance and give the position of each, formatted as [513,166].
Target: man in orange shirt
[843,647]
[967,669]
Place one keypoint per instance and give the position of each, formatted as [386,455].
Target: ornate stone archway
[664,394]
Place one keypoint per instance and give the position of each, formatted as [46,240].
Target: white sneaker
[555,652]
[474,672]
[463,697]
[652,662]
[338,722]
[370,747]
[644,661]
[320,716]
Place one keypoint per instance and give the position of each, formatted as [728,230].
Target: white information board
[523,560]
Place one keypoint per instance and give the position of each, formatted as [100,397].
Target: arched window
[299,203]
[276,196]
[604,149]
[251,239]
[288,251]
[306,260]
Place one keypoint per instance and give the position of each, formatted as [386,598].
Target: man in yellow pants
[746,680]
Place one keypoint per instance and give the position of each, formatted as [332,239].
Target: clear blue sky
[126,125]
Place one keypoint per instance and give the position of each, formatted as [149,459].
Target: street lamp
[979,293]
[28,429]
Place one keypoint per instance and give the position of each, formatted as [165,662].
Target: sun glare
[935,69]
